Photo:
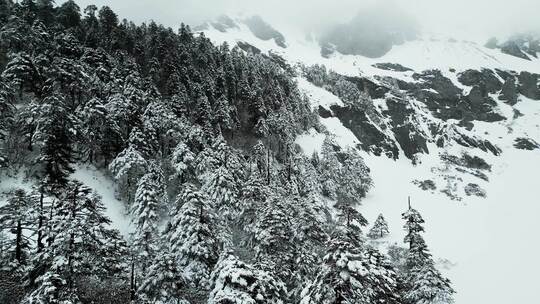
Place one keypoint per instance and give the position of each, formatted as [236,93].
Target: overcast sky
[467,19]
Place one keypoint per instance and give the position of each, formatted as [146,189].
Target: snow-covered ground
[89,176]
[487,246]
[492,242]
[104,186]
[430,51]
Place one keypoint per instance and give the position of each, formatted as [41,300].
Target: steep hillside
[452,124]
[237,163]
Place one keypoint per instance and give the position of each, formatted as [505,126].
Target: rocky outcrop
[512,48]
[509,92]
[426,185]
[526,144]
[445,100]
[450,133]
[396,67]
[248,47]
[474,189]
[528,85]
[370,137]
[264,31]
[405,128]
[486,79]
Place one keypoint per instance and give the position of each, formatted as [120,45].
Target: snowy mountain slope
[429,51]
[466,157]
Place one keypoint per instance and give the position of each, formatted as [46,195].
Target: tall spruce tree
[351,273]
[145,211]
[237,282]
[379,229]
[193,237]
[423,283]
[17,217]
[80,244]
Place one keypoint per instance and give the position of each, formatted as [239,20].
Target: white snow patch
[311,142]
[104,187]
[318,96]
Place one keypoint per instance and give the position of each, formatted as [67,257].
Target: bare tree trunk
[40,222]
[18,244]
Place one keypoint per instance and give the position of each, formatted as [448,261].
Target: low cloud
[466,19]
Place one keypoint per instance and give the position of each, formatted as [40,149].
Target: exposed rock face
[525,46]
[509,91]
[528,85]
[396,67]
[405,128]
[526,144]
[449,133]
[248,47]
[426,185]
[512,48]
[371,139]
[446,101]
[365,85]
[485,79]
[264,31]
[474,189]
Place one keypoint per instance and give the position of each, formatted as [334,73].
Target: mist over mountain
[371,33]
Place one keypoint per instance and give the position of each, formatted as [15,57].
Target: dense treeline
[200,142]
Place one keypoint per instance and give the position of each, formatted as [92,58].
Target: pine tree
[163,282]
[350,220]
[69,14]
[221,189]
[182,161]
[80,244]
[145,211]
[237,282]
[17,217]
[379,229]
[353,181]
[423,283]
[273,236]
[193,237]
[55,131]
[128,167]
[342,276]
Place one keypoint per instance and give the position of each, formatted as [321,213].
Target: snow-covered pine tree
[6,107]
[309,238]
[273,236]
[145,210]
[17,217]
[379,229]
[163,281]
[353,180]
[234,281]
[182,161]
[102,140]
[423,283]
[128,166]
[81,245]
[222,190]
[56,133]
[418,252]
[350,220]
[342,278]
[192,236]
[329,167]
